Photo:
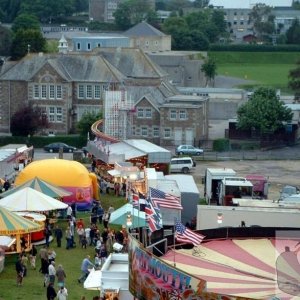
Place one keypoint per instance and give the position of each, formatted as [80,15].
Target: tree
[25,41]
[28,120]
[5,41]
[47,10]
[293,33]
[264,112]
[263,21]
[209,68]
[86,121]
[294,80]
[10,9]
[130,13]
[24,22]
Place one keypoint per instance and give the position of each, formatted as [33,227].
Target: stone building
[66,86]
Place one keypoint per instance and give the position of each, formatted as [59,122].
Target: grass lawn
[264,68]
[273,75]
[33,288]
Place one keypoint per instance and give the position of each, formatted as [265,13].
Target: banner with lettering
[150,278]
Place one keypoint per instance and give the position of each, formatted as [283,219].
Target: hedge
[40,141]
[254,48]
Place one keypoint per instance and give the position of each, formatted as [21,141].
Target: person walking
[58,233]
[62,293]
[51,293]
[20,271]
[52,272]
[85,266]
[61,276]
[68,238]
[32,256]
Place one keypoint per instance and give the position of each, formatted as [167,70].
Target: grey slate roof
[132,62]
[72,67]
[143,29]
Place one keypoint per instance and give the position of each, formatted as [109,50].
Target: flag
[153,215]
[186,235]
[135,199]
[162,199]
[142,202]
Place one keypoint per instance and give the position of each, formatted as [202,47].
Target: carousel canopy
[29,199]
[42,186]
[11,223]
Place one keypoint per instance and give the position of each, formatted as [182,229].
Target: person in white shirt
[52,272]
[87,231]
[69,212]
[62,293]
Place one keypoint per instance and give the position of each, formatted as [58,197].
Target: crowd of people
[96,234]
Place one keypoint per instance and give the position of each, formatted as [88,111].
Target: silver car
[189,150]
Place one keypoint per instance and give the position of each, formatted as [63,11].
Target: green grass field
[70,259]
[264,68]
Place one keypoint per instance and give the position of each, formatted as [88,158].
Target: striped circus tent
[11,223]
[253,268]
[42,186]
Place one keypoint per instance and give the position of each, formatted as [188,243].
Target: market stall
[18,228]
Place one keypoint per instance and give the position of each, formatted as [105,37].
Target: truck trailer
[213,177]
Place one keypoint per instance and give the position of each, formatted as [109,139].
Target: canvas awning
[29,199]
[119,216]
[11,223]
[42,186]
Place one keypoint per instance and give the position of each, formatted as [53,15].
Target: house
[148,38]
[54,83]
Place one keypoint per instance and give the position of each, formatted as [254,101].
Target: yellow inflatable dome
[70,175]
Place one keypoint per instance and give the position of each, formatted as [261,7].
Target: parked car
[287,191]
[54,147]
[182,164]
[188,149]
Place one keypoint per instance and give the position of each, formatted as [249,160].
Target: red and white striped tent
[253,268]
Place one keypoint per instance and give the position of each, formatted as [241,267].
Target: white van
[182,164]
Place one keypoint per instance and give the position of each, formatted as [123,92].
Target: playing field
[261,68]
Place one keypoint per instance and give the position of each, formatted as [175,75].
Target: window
[173,114]
[58,114]
[167,133]
[155,131]
[147,43]
[58,92]
[144,131]
[148,113]
[36,91]
[140,113]
[44,91]
[51,91]
[97,92]
[51,114]
[78,46]
[89,46]
[182,114]
[89,91]
[81,91]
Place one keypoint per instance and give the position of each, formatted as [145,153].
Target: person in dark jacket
[51,293]
[20,271]
[58,235]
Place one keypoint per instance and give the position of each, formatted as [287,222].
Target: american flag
[162,199]
[153,215]
[138,200]
[186,235]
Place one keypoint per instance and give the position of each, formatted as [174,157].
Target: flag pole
[174,259]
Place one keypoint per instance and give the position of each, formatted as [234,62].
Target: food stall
[19,229]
